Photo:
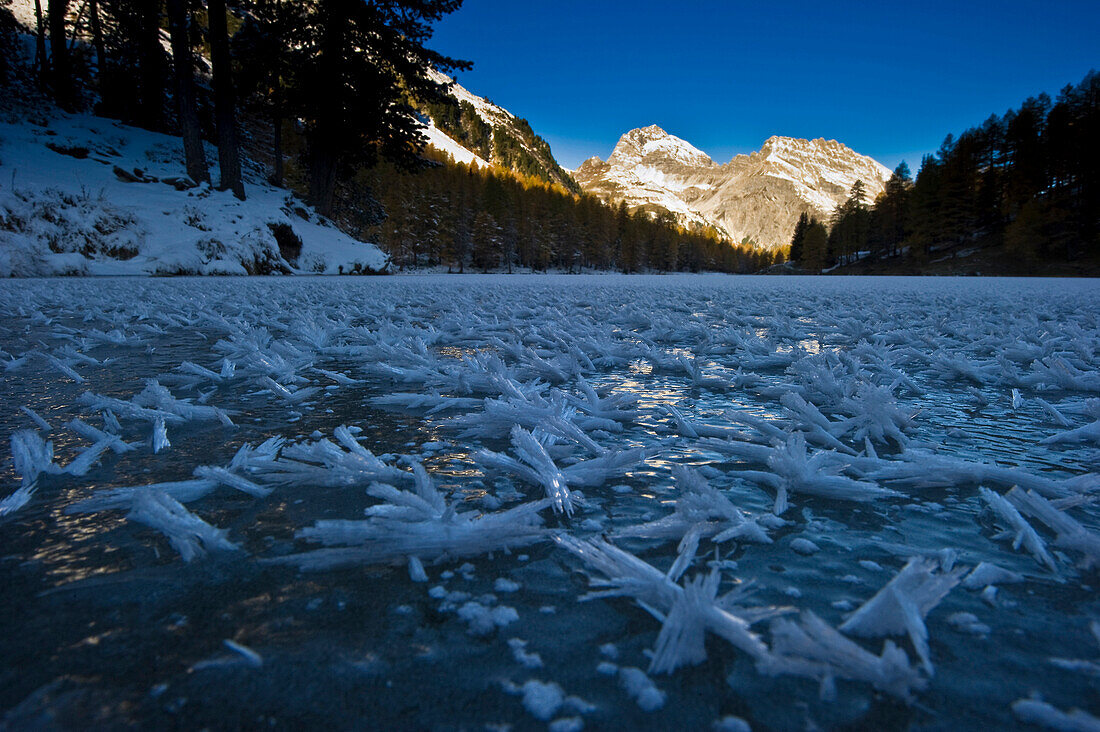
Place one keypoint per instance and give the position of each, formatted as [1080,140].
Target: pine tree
[186,106]
[98,40]
[61,71]
[799,238]
[889,223]
[815,247]
[358,63]
[41,58]
[225,102]
[266,65]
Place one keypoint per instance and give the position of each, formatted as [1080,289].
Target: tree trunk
[41,62]
[322,178]
[225,113]
[152,70]
[97,38]
[277,132]
[60,66]
[184,67]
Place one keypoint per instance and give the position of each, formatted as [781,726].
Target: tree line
[1027,182]
[466,217]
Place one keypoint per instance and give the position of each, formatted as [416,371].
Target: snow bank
[83,195]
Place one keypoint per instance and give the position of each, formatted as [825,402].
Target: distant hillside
[487,133]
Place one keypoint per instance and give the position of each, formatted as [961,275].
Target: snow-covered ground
[620,502]
[86,195]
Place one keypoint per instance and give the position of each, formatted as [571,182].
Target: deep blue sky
[888,79]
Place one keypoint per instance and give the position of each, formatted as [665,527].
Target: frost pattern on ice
[187,533]
[419,523]
[901,606]
[669,415]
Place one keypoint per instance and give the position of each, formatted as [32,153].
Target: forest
[1023,187]
[331,96]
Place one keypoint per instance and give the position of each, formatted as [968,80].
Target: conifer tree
[889,224]
[183,63]
[41,58]
[799,238]
[358,63]
[263,50]
[486,241]
[815,247]
[61,71]
[225,102]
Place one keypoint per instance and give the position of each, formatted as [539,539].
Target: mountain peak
[653,132]
[757,196]
[654,146]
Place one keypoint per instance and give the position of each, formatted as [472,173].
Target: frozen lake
[442,468]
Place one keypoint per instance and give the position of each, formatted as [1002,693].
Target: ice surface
[1035,711]
[433,425]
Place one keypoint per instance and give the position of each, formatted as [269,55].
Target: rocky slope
[758,196]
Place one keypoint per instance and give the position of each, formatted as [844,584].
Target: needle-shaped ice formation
[813,649]
[901,606]
[187,533]
[702,510]
[793,469]
[1036,711]
[1018,529]
[687,611]
[333,464]
[418,523]
[534,464]
[1070,534]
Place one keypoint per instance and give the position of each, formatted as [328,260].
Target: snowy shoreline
[84,195]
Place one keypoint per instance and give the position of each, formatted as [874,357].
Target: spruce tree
[225,103]
[262,49]
[41,58]
[61,71]
[799,237]
[194,153]
[815,247]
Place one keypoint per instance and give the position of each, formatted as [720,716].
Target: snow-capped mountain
[485,133]
[758,196]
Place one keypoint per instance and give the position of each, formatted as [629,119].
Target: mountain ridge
[478,131]
[756,197]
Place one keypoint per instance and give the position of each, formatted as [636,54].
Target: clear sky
[889,79]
